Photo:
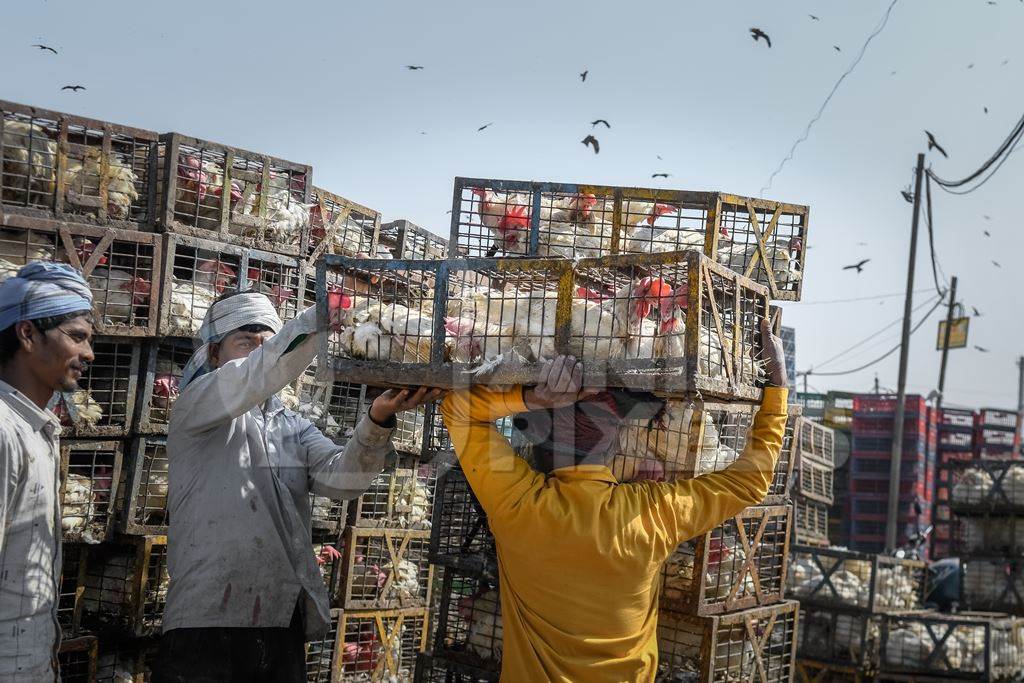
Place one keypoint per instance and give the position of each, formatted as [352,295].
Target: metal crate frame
[823,630]
[455,627]
[132,656]
[982,536]
[413,242]
[140,467]
[329,527]
[810,523]
[71,587]
[291,270]
[1005,576]
[147,416]
[105,242]
[80,653]
[385,625]
[814,482]
[717,211]
[133,612]
[815,442]
[703,642]
[67,448]
[396,545]
[144,146]
[381,505]
[340,216]
[832,561]
[678,376]
[460,537]
[120,372]
[762,537]
[229,218]
[1000,498]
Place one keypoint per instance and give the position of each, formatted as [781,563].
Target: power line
[931,232]
[835,88]
[991,165]
[876,297]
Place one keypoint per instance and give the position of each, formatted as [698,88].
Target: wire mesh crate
[755,644]
[838,578]
[676,323]
[77,659]
[810,523]
[460,536]
[126,586]
[119,266]
[268,203]
[320,653]
[341,226]
[58,167]
[165,361]
[974,646]
[737,565]
[401,497]
[993,585]
[126,660]
[979,535]
[385,569]
[816,443]
[409,241]
[760,239]
[469,630]
[104,404]
[71,586]
[145,502]
[379,645]
[335,408]
[90,473]
[431,668]
[839,637]
[986,487]
[814,482]
[197,271]
[327,516]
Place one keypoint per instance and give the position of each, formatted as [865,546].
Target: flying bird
[583,76]
[757,34]
[933,144]
[45,47]
[836,48]
[1005,62]
[412,67]
[971,65]
[661,175]
[986,216]
[986,109]
[996,264]
[813,18]
[987,233]
[75,88]
[659,157]
[606,124]
[862,244]
[485,126]
[980,348]
[977,313]
[857,266]
[893,73]
[592,141]
[908,195]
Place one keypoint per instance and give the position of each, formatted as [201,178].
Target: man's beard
[69,386]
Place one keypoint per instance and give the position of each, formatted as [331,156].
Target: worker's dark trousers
[233,655]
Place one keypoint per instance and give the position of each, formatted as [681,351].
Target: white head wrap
[223,318]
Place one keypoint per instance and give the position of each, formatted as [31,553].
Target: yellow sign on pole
[957,335]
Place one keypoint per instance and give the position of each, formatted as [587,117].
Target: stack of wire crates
[522,255]
[955,443]
[870,463]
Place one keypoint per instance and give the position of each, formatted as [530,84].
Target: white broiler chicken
[115,294]
[507,216]
[188,305]
[84,504]
[19,248]
[286,217]
[782,260]
[78,408]
[84,178]
[1013,485]
[972,488]
[484,635]
[151,497]
[412,501]
[391,332]
[404,586]
[29,164]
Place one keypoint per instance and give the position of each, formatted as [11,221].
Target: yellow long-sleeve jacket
[579,554]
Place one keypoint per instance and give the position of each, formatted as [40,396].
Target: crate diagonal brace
[396,556]
[758,646]
[940,645]
[755,225]
[749,554]
[730,371]
[386,661]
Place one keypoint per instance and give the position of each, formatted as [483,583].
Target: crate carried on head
[837,578]
[126,586]
[90,474]
[57,167]
[760,239]
[104,404]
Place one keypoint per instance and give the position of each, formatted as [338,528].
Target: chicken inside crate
[740,564]
[673,323]
[986,486]
[401,497]
[197,272]
[993,584]
[72,583]
[987,535]
[126,586]
[145,510]
[755,644]
[104,403]
[836,577]
[118,265]
[90,473]
[58,166]
[460,536]
[379,645]
[839,637]
[516,218]
[329,560]
[165,361]
[385,569]
[469,629]
[410,241]
[341,226]
[77,659]
[268,199]
[968,645]
[327,516]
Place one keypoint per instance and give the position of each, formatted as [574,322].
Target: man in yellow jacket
[579,554]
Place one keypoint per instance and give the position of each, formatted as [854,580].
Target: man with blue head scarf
[45,346]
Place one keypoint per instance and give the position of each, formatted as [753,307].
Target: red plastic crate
[881,425]
[994,417]
[957,418]
[868,404]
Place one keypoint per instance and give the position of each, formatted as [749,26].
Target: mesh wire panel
[972,646]
[386,569]
[328,558]
[104,403]
[77,660]
[334,407]
[70,587]
[982,535]
[460,534]
[401,497]
[122,660]
[320,653]
[194,277]
[848,637]
[989,486]
[381,645]
[327,516]
[126,587]
[166,359]
[993,585]
[90,474]
[434,669]
[339,226]
[148,496]
[833,577]
[470,627]
[413,242]
[814,481]
[810,522]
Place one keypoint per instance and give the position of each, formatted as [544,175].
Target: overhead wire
[993,163]
[875,297]
[931,233]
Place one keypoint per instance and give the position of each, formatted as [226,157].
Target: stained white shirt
[241,469]
[29,538]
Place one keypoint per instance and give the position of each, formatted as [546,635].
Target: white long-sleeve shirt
[241,469]
[29,538]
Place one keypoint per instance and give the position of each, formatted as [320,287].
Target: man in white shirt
[245,591]
[45,346]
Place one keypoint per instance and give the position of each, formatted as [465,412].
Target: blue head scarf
[40,290]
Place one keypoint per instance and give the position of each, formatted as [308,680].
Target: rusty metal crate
[164,362]
[77,659]
[409,241]
[810,671]
[431,668]
[385,569]
[993,584]
[90,473]
[401,497]
[846,638]
[327,517]
[341,226]
[320,653]
[269,198]
[59,167]
[518,218]
[985,536]
[126,586]
[460,536]
[838,578]
[377,645]
[815,442]
[197,271]
[810,523]
[447,337]
[469,626]
[104,404]
[737,565]
[145,503]
[976,646]
[754,644]
[72,583]
[980,487]
[814,482]
[121,267]
[124,660]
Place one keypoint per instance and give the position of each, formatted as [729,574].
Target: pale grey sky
[324,83]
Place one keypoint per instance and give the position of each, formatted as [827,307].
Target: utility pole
[1018,447]
[877,391]
[945,342]
[892,516]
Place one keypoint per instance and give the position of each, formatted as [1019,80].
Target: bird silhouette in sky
[859,267]
[485,126]
[977,313]
[862,244]
[908,195]
[757,34]
[987,233]
[933,144]
[986,109]
[45,47]
[583,76]
[996,264]
[591,141]
[412,67]
[74,88]
[606,124]
[813,18]
[980,348]
[836,48]
[659,157]
[661,175]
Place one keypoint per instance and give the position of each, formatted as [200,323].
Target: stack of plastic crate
[994,433]
[955,443]
[870,463]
